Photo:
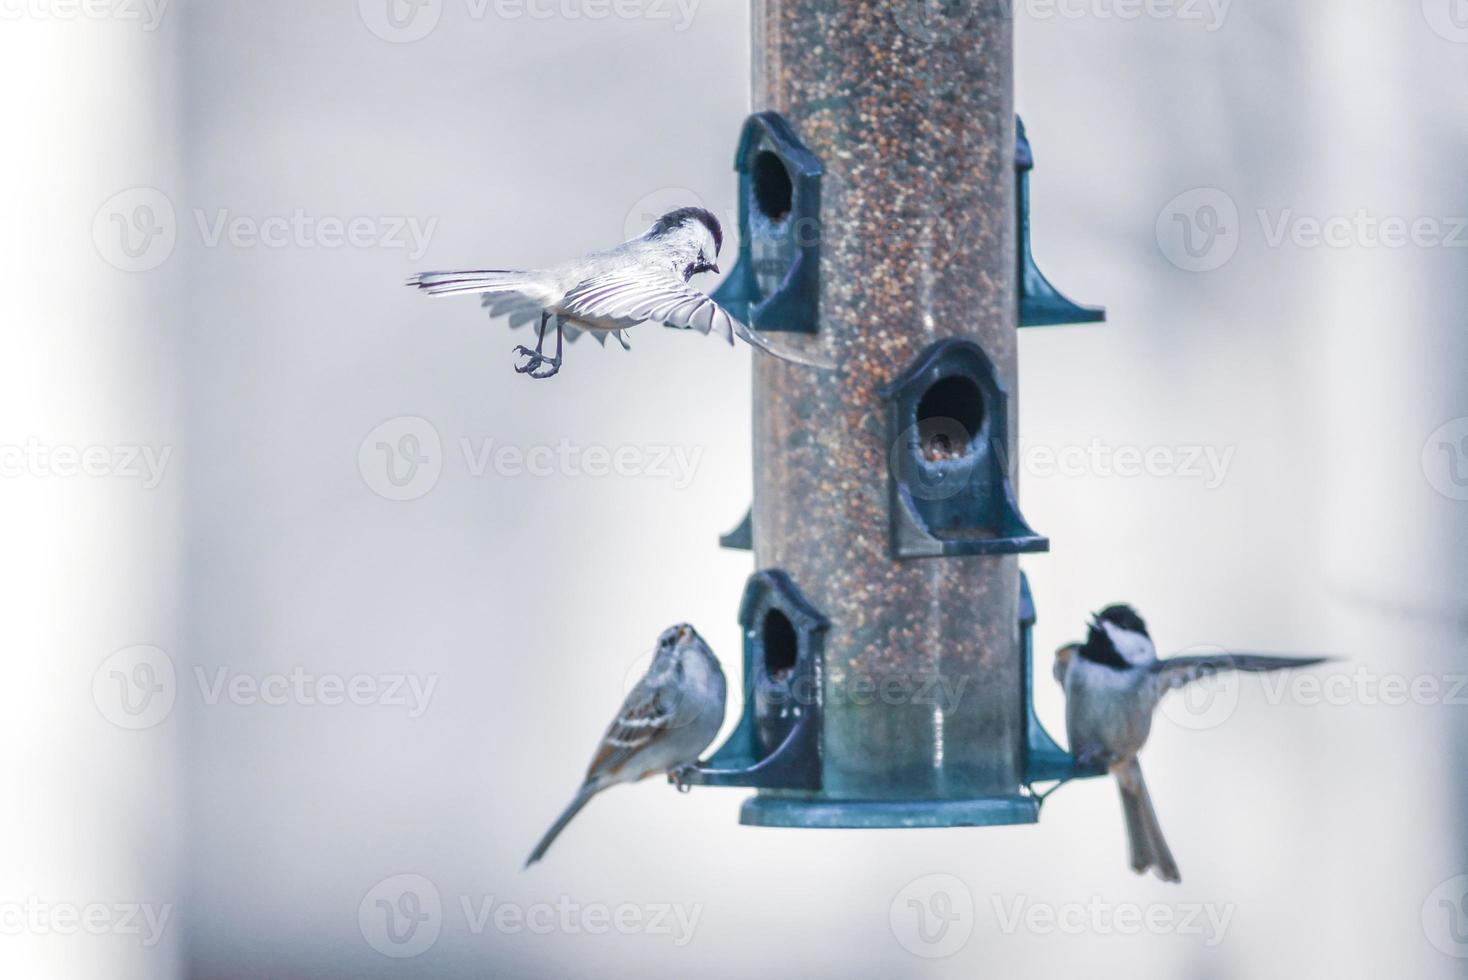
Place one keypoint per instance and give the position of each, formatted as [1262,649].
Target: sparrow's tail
[759,343]
[1149,849]
[477,281]
[583,797]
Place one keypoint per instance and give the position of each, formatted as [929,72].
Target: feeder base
[988,811]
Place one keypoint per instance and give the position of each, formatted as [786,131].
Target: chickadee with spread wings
[1112,684]
[609,291]
[670,717]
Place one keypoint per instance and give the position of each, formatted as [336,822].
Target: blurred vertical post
[909,106]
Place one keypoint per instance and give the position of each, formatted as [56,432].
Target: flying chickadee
[1112,684]
[607,292]
[670,717]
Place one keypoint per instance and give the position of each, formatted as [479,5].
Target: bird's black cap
[681,217]
[1098,647]
[1125,617]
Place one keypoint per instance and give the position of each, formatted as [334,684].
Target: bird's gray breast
[1108,712]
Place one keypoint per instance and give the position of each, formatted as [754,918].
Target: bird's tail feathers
[583,797]
[1144,834]
[478,281]
[757,340]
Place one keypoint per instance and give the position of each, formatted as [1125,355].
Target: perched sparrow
[1112,683]
[671,716]
[608,292]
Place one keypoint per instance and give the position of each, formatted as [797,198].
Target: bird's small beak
[682,633]
[715,268]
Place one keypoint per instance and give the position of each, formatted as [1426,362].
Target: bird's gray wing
[645,717]
[636,295]
[1176,672]
[641,294]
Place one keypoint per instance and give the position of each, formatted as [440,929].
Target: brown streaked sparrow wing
[667,719]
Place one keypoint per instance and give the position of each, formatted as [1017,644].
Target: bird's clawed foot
[681,777]
[534,361]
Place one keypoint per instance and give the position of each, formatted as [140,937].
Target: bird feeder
[886,630]
[775,282]
[1040,303]
[948,425]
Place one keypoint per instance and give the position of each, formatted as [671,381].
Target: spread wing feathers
[758,342]
[644,718]
[1176,672]
[638,295]
[635,296]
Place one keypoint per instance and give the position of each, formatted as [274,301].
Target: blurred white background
[237,317]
